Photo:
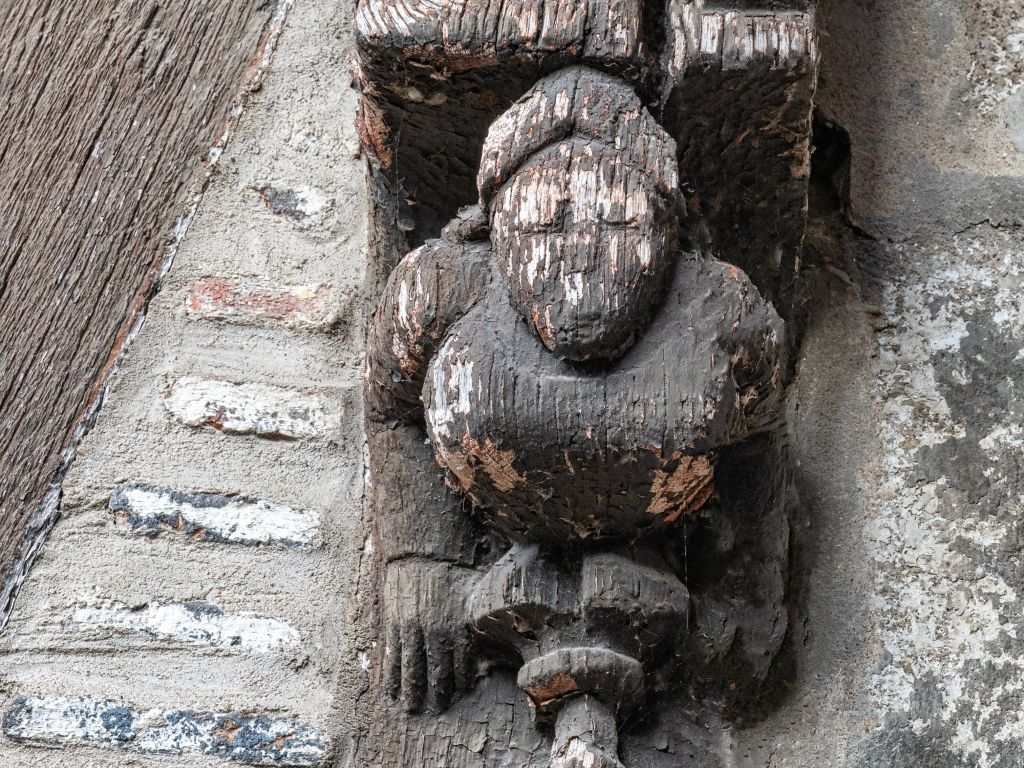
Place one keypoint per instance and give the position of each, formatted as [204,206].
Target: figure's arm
[430,289]
[428,544]
[427,541]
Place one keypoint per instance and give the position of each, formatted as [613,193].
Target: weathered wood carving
[573,390]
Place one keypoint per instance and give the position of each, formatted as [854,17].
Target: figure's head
[581,185]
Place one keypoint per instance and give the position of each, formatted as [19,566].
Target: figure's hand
[428,647]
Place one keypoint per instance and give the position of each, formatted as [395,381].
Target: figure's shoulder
[716,290]
[462,253]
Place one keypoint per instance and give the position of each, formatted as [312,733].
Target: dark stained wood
[635,442]
[435,75]
[592,369]
[737,95]
[431,288]
[108,111]
[594,166]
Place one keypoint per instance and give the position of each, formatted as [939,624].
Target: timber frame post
[587,222]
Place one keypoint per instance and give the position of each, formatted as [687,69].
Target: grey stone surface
[905,421]
[921,87]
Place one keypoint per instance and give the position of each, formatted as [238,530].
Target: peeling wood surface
[593,166]
[108,116]
[477,33]
[593,371]
[737,95]
[500,407]
[435,74]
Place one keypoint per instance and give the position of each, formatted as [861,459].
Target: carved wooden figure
[578,481]
[579,373]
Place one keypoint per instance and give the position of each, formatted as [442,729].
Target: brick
[253,409]
[214,517]
[195,623]
[254,301]
[248,738]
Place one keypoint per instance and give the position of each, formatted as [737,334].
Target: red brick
[258,302]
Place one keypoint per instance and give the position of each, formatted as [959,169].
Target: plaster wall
[147,612]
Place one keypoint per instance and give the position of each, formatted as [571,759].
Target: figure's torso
[597,451]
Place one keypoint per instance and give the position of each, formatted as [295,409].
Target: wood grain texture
[108,114]
[434,75]
[635,441]
[594,370]
[575,162]
[737,96]
[477,33]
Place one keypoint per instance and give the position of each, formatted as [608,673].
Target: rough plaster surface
[174,623]
[904,426]
[926,89]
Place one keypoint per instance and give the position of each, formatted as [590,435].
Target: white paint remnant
[403,306]
[644,252]
[64,720]
[736,37]
[712,27]
[231,520]
[452,380]
[249,739]
[253,409]
[538,256]
[563,103]
[376,18]
[576,753]
[573,285]
[194,623]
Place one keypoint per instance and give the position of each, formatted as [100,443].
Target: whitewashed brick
[254,409]
[301,205]
[199,623]
[214,517]
[248,738]
[254,301]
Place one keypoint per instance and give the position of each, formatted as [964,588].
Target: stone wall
[906,418]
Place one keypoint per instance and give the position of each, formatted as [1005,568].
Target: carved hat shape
[581,185]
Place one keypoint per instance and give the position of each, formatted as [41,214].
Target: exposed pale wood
[554,453]
[432,287]
[107,116]
[436,74]
[476,33]
[577,161]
